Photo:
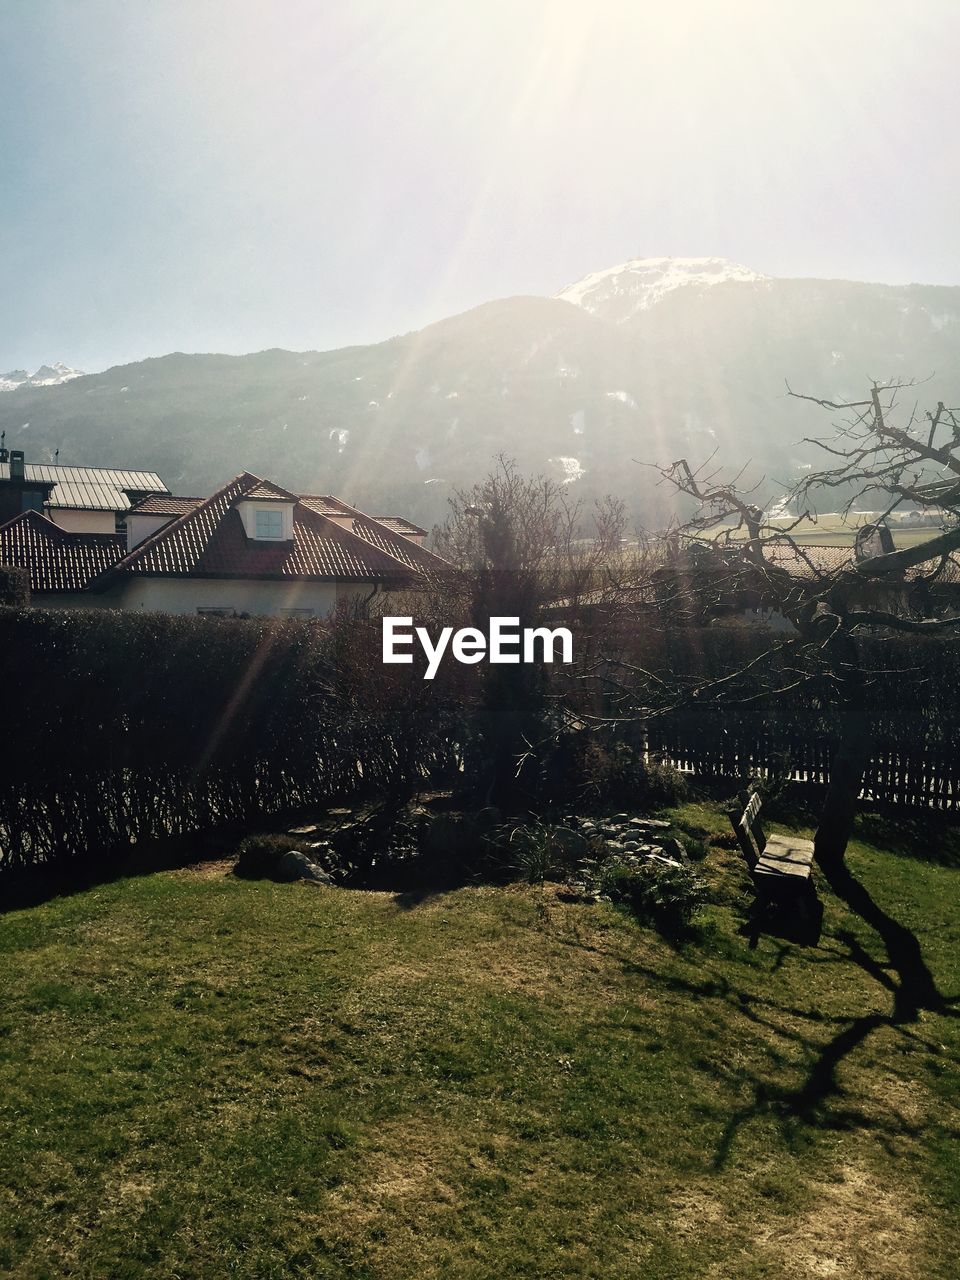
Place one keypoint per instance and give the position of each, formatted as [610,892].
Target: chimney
[16,464]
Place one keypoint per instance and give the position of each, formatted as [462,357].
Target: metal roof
[89,488]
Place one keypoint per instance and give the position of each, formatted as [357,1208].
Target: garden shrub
[129,727]
[538,851]
[663,785]
[258,856]
[664,895]
[617,774]
[14,587]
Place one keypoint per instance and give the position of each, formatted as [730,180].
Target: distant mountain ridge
[645,362]
[48,375]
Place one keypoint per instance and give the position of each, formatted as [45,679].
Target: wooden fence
[902,778]
[912,701]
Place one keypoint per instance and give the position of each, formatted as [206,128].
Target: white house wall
[73,600]
[83,521]
[140,527]
[188,595]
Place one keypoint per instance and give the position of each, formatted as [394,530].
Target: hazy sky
[230,175]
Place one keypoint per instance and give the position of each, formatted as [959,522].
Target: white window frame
[275,517]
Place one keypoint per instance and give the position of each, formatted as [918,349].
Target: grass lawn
[207,1077]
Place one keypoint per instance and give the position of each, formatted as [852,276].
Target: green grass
[208,1077]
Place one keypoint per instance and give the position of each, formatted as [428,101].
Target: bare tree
[735,546]
[520,551]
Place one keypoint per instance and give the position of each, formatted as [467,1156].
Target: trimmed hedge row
[14,586]
[122,727]
[117,728]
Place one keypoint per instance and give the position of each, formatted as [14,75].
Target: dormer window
[267,512]
[269,523]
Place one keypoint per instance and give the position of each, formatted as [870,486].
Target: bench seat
[785,856]
[781,868]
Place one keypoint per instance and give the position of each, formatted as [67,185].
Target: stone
[295,865]
[674,849]
[670,862]
[571,841]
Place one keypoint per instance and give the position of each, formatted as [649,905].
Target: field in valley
[834,530]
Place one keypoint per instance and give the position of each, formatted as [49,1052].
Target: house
[723,584]
[78,499]
[252,547]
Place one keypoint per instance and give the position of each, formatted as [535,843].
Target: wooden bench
[780,867]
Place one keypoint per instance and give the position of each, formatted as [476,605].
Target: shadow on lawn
[32,886]
[818,1102]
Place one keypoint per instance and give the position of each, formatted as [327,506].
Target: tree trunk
[917,988]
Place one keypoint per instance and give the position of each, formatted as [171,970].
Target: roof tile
[209,541]
[57,560]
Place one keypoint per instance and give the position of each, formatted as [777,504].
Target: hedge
[14,587]
[123,727]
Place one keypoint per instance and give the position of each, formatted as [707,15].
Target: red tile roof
[57,560]
[810,560]
[399,524]
[159,504]
[373,532]
[267,490]
[210,541]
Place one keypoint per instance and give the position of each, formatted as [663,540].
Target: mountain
[646,362]
[48,375]
[619,293]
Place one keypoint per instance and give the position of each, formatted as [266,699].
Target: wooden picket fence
[901,775]
[912,701]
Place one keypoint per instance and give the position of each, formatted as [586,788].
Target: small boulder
[674,849]
[297,866]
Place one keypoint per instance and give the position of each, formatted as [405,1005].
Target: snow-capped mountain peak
[48,375]
[621,292]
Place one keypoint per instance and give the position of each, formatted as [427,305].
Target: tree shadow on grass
[819,1101]
[911,989]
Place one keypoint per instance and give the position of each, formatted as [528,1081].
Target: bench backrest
[746,826]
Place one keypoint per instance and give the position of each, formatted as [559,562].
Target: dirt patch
[860,1227]
[211,869]
[412,1166]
